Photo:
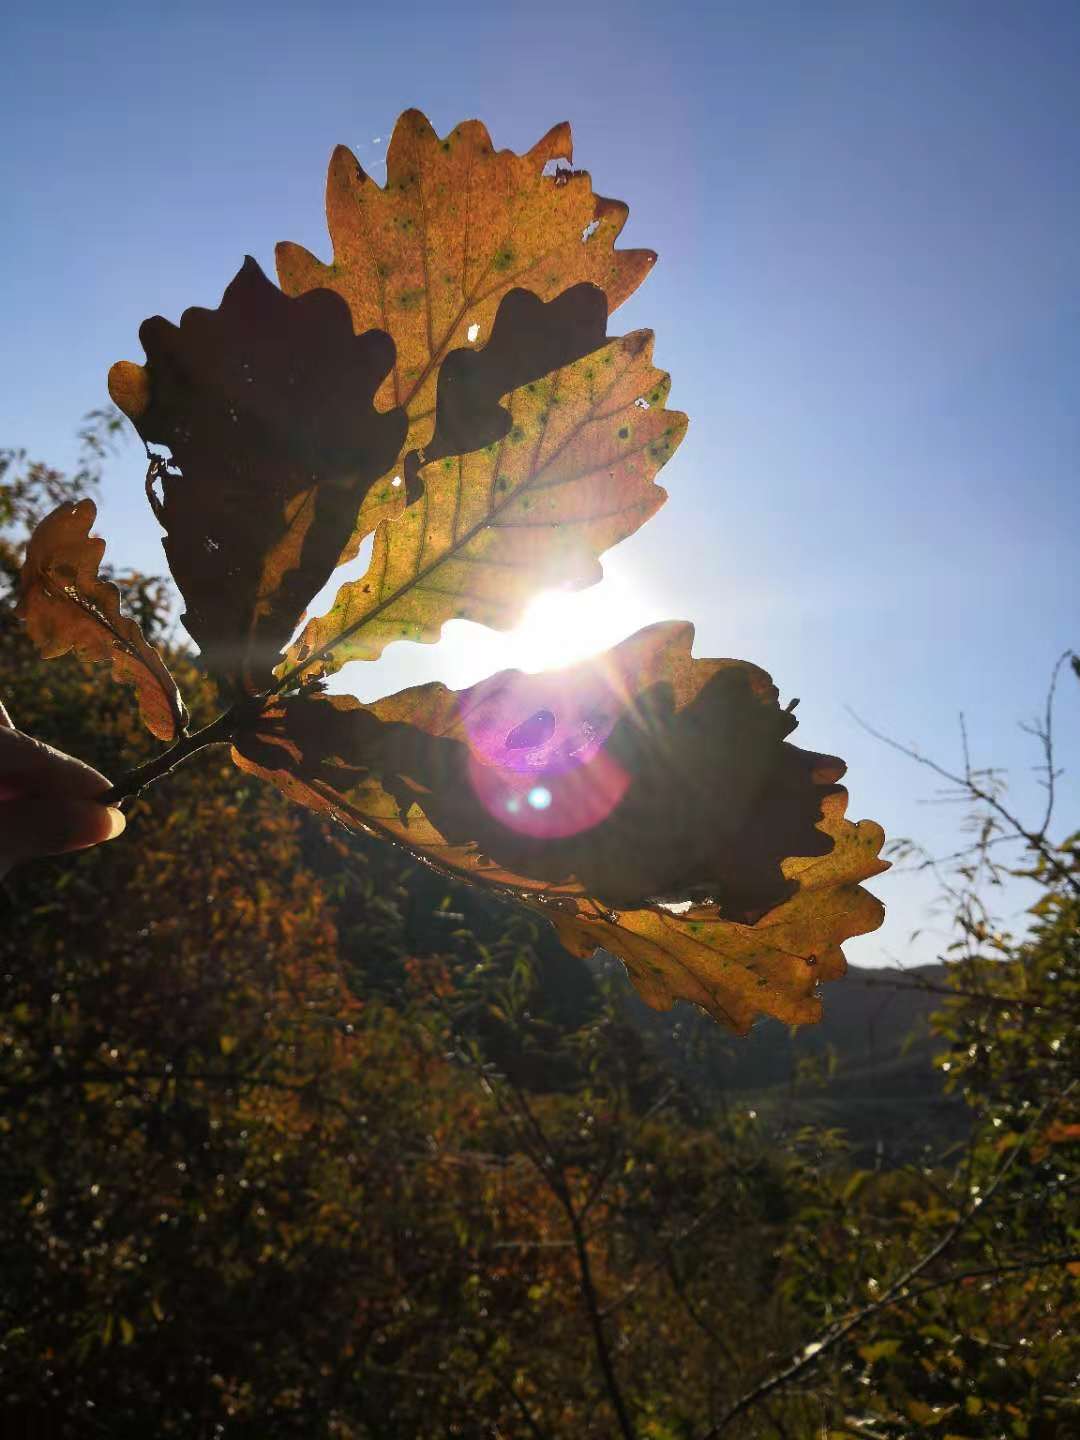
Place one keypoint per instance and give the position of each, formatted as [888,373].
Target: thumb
[53,824]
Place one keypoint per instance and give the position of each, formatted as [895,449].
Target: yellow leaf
[572,476]
[429,256]
[738,971]
[66,606]
[228,1043]
[879,1350]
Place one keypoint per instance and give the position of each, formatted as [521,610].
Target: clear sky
[868,220]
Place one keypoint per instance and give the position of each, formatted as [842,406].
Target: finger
[38,826]
[30,767]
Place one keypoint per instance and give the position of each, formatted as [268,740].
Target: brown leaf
[266,407]
[429,256]
[565,472]
[602,795]
[67,606]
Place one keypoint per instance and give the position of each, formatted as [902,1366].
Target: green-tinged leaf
[879,1350]
[570,477]
[856,1183]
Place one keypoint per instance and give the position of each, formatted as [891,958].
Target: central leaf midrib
[100,618]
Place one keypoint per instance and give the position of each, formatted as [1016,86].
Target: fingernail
[117,821]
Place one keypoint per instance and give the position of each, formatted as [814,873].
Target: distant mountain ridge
[867,1068]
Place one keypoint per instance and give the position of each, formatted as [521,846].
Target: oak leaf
[736,969]
[603,796]
[646,802]
[66,606]
[266,406]
[559,472]
[429,256]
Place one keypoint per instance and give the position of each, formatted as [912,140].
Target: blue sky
[868,219]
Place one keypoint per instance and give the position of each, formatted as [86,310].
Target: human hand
[49,801]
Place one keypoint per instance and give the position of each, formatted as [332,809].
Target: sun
[559,628]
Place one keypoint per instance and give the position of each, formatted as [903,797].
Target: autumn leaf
[429,257]
[66,606]
[557,474]
[646,802]
[266,407]
[737,970]
[604,795]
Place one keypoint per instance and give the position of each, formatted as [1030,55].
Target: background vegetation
[300,1139]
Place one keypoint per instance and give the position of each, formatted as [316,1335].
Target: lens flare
[538,757]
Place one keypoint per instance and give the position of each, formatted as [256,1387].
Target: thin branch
[659,1264]
[1034,839]
[218,732]
[991,1272]
[523,1409]
[1046,735]
[927,987]
[898,1291]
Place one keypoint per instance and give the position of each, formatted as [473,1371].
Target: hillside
[866,1068]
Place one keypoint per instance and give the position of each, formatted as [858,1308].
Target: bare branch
[1034,839]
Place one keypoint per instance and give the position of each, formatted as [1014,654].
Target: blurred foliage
[301,1139]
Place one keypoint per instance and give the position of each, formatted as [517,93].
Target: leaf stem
[218,732]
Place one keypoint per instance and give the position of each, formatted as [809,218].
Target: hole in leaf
[590,230]
[473,334]
[536,730]
[641,403]
[397,482]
